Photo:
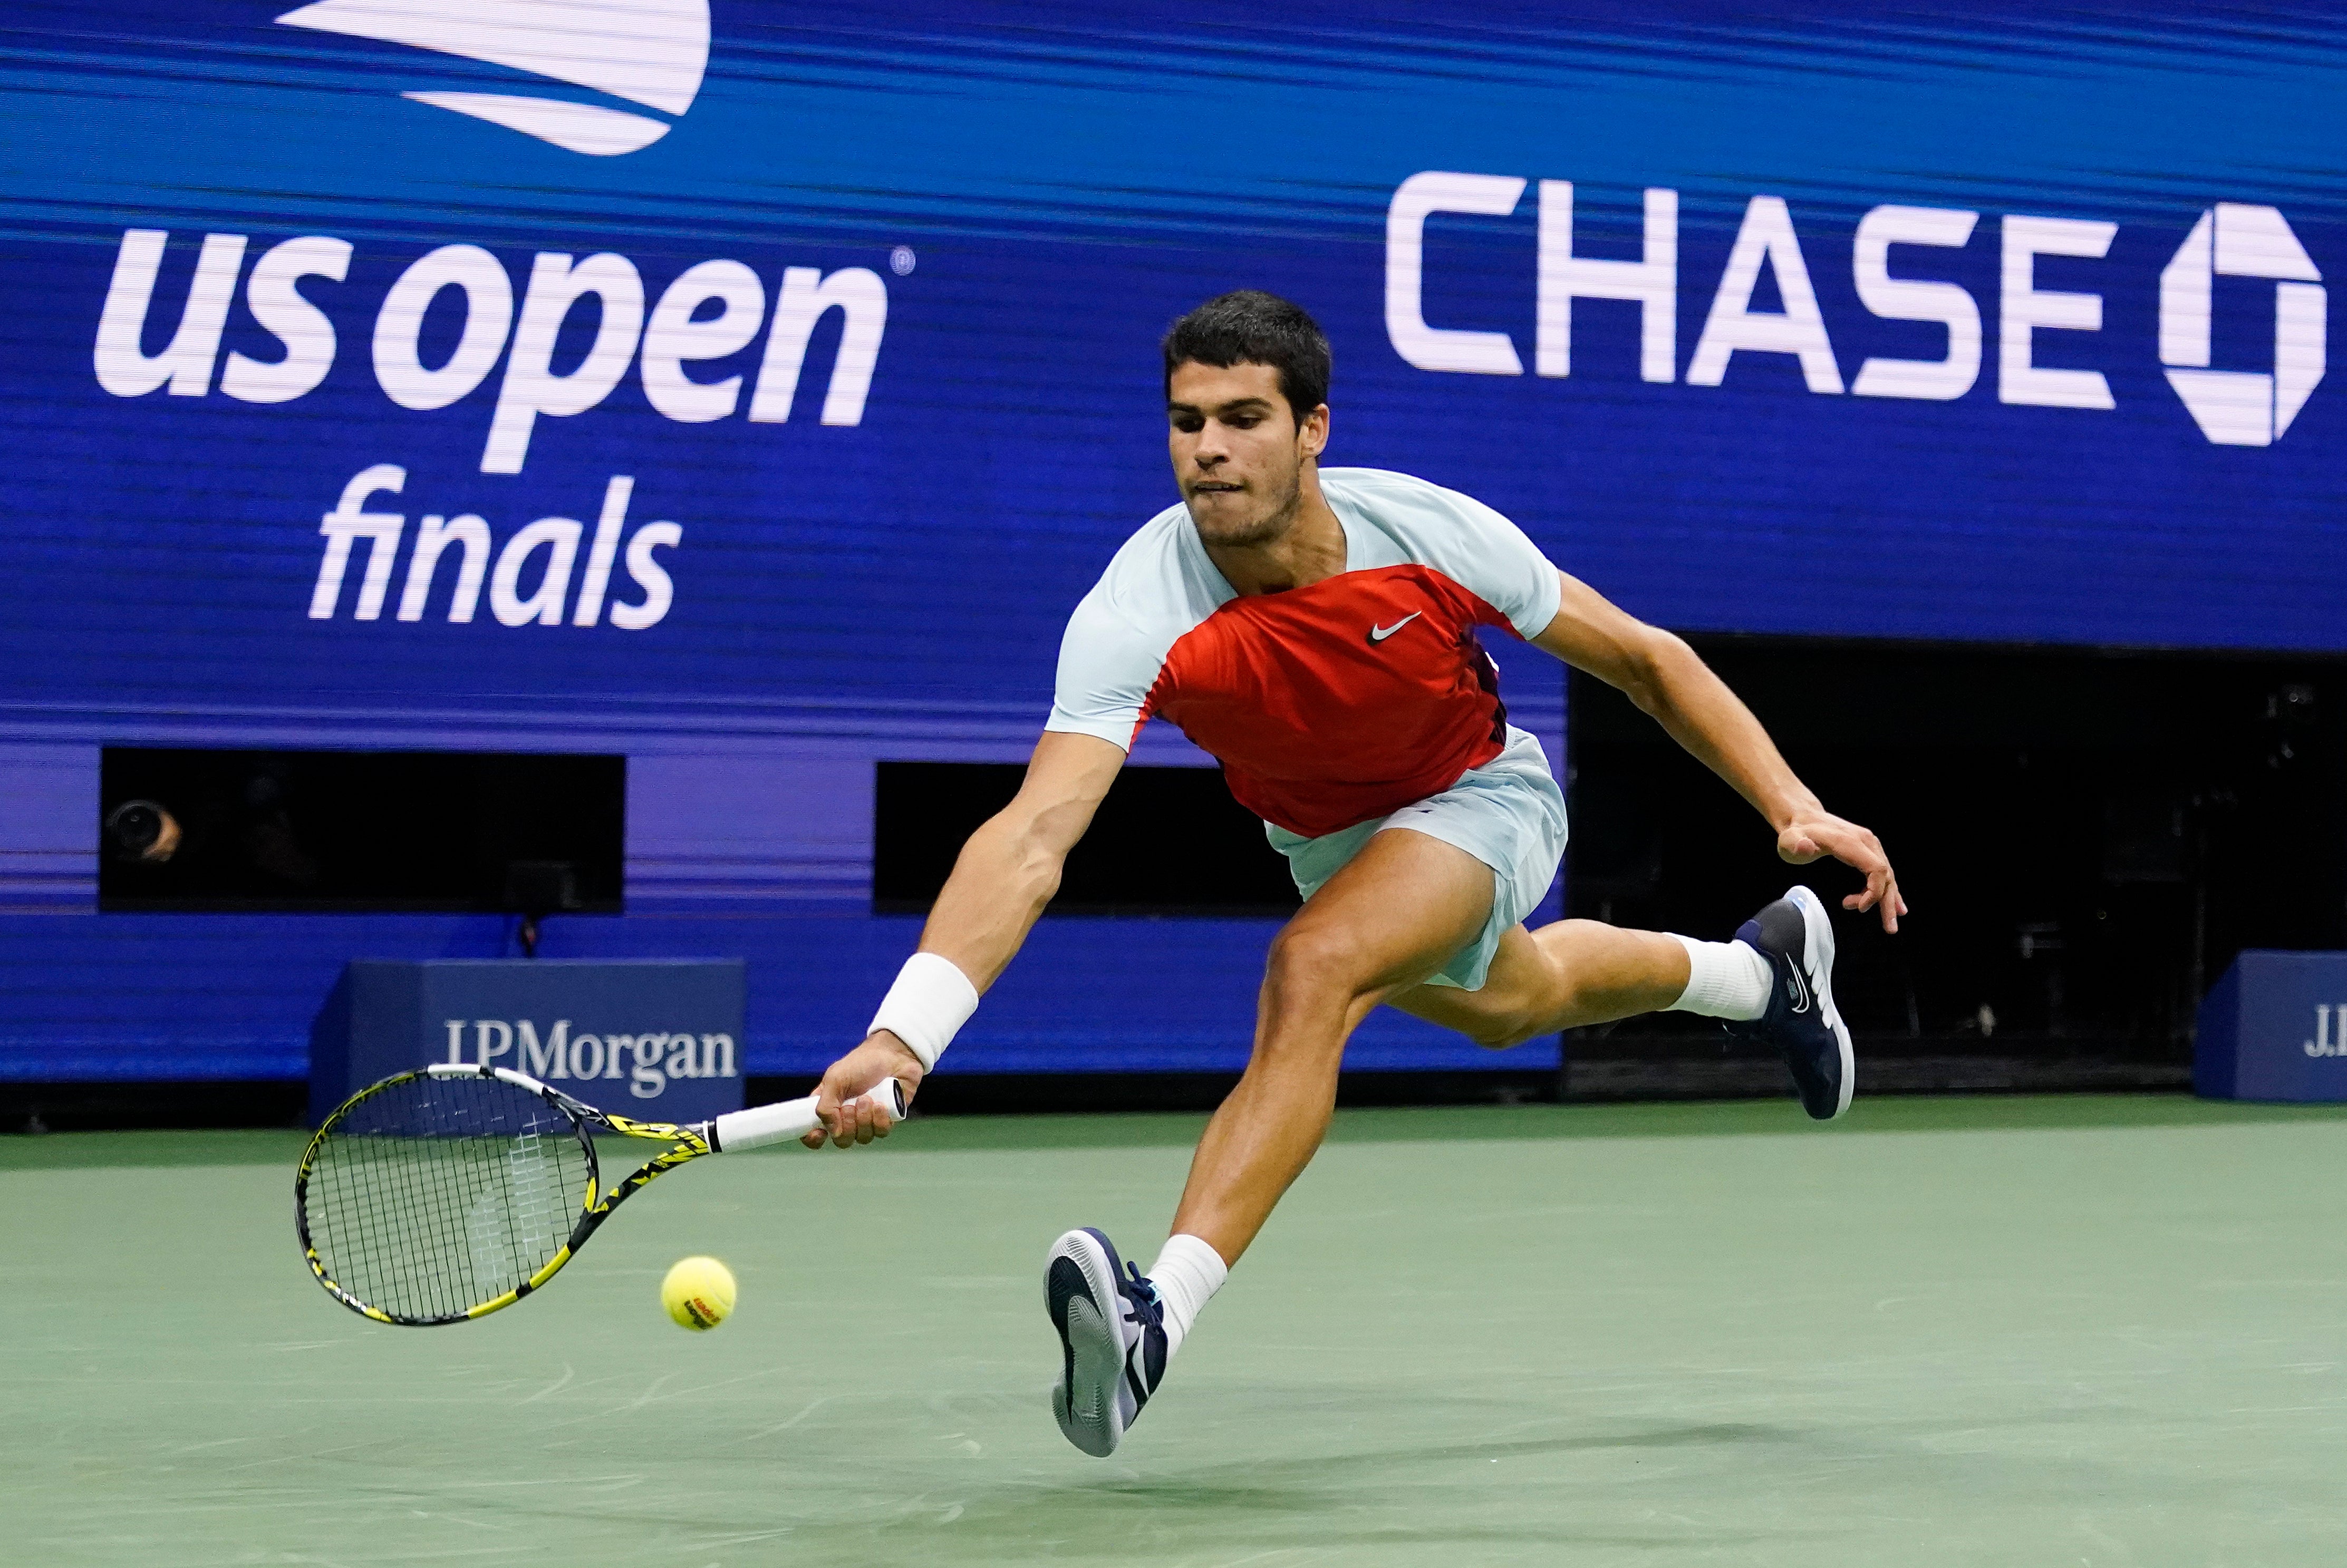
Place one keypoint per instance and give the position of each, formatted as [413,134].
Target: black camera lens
[141,830]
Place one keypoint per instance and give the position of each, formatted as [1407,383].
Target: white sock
[1187,1273]
[1724,980]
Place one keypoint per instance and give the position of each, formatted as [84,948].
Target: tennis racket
[443,1194]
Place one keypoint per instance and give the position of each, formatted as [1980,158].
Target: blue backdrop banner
[754,389]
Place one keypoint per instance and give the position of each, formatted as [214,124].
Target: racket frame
[687,1143]
[738,1130]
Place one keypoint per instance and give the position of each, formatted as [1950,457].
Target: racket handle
[778,1123]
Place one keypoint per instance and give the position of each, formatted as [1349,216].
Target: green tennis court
[2076,1331]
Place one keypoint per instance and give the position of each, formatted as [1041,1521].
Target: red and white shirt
[1329,705]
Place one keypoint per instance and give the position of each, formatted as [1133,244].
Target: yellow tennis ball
[698,1293]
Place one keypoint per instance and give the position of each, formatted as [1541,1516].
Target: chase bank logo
[2239,407]
[648,52]
[2230,239]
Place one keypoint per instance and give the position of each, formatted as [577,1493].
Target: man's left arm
[1670,684]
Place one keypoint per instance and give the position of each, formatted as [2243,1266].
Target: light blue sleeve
[1468,542]
[1107,666]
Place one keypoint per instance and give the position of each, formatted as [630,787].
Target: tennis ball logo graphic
[698,1293]
[650,53]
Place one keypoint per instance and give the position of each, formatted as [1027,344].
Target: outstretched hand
[845,1118]
[1817,833]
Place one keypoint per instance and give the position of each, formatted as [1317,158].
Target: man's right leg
[1403,906]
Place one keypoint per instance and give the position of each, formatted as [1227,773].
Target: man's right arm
[1005,876]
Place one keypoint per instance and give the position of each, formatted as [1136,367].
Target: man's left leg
[1772,985]
[1569,974]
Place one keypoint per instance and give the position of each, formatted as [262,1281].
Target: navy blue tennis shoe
[1802,1024]
[1113,1345]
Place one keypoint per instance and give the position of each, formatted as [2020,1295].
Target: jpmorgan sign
[2231,407]
[2273,1026]
[647,1061]
[659,1039]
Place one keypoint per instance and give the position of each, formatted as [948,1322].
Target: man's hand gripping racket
[443,1194]
[844,1117]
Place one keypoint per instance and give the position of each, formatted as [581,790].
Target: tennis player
[1317,630]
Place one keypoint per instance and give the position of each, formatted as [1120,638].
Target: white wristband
[931,1000]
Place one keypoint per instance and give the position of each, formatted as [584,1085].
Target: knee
[1308,964]
[1503,1028]
[1531,1005]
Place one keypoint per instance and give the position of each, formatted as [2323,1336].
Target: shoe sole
[1081,1277]
[1820,948]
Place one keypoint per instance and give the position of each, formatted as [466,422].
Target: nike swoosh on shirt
[1379,633]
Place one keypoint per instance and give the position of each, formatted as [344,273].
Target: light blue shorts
[1507,813]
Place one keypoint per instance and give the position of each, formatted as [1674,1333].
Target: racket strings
[437,1194]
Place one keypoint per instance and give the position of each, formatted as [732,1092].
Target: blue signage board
[656,1039]
[2275,1027]
[754,392]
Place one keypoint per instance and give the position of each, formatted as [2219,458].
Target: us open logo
[651,52]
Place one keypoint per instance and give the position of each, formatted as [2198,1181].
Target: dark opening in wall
[523,832]
[2087,839]
[1166,841]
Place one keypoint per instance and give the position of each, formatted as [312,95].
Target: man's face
[1238,452]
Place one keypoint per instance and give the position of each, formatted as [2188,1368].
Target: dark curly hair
[1247,326]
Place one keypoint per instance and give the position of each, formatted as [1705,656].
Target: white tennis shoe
[1802,1023]
[1111,1333]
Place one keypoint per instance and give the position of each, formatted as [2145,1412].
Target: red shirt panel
[1320,724]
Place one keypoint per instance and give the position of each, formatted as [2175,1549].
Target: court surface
[2080,1331]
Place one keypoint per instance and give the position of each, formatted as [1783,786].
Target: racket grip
[789,1119]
